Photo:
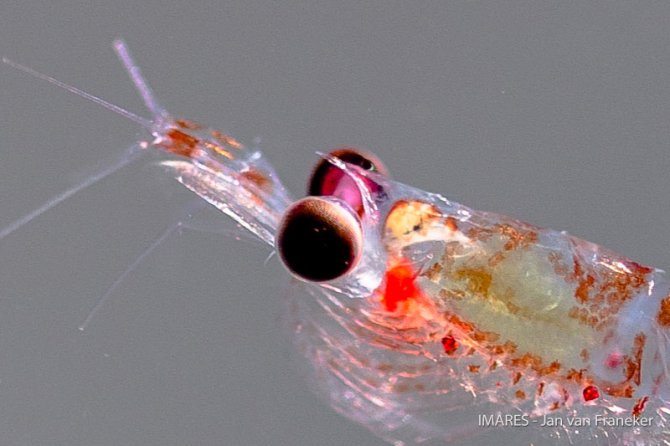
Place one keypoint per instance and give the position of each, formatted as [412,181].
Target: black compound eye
[327,179]
[319,239]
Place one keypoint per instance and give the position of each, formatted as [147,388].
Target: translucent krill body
[430,322]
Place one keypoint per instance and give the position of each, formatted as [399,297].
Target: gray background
[555,113]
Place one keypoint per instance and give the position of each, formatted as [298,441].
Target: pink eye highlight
[329,180]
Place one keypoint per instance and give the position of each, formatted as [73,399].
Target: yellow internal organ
[519,297]
[406,218]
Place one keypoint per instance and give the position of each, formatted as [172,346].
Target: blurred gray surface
[554,113]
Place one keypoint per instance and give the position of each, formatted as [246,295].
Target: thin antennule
[138,79]
[125,274]
[128,156]
[108,105]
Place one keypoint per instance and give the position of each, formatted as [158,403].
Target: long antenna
[108,105]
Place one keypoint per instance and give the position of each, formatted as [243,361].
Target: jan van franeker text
[598,420]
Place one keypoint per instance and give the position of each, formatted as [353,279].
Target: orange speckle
[520,394]
[181,143]
[508,347]
[577,267]
[187,124]
[521,236]
[259,179]
[534,362]
[463,325]
[400,285]
[226,140]
[582,291]
[663,317]
[451,223]
[473,368]
[218,149]
[550,369]
[633,364]
[624,390]
[527,360]
[484,336]
[603,287]
[556,260]
[575,375]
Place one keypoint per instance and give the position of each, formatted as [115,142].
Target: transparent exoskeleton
[429,322]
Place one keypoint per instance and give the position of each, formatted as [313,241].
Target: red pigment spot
[400,286]
[591,393]
[450,344]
